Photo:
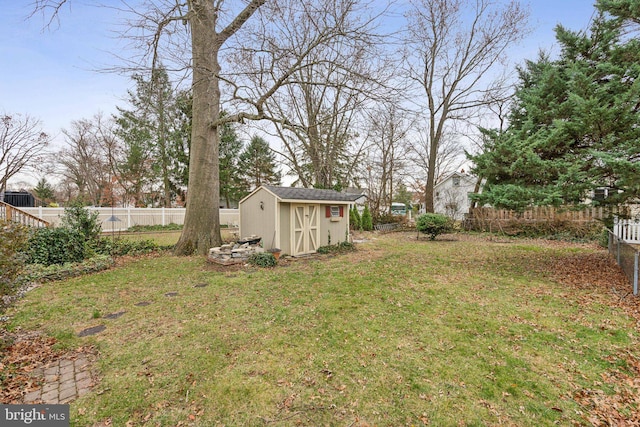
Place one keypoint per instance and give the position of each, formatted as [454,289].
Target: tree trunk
[202,218]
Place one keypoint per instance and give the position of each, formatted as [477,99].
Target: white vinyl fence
[627,230]
[120,219]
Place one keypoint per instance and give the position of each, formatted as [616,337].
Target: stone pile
[235,253]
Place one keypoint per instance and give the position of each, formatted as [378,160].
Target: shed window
[334,211]
[456,181]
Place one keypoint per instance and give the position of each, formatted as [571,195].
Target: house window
[456,181]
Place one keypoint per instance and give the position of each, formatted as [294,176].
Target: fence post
[128,217]
[163,224]
[635,274]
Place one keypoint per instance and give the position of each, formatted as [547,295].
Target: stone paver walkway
[64,380]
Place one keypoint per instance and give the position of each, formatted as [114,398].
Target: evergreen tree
[258,164]
[153,134]
[231,186]
[354,218]
[44,190]
[366,222]
[574,127]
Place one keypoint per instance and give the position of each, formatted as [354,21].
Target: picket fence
[627,230]
[120,219]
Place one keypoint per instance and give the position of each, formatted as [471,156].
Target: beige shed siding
[276,223]
[285,228]
[260,222]
[337,229]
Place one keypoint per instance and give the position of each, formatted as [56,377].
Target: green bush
[13,239]
[169,227]
[79,219]
[120,247]
[366,220]
[58,245]
[434,224]
[263,259]
[42,273]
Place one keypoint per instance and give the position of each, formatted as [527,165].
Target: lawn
[466,330]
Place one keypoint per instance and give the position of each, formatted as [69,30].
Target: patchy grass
[461,331]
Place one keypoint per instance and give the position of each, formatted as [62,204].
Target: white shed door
[305,233]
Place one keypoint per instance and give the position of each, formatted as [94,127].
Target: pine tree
[44,190]
[258,164]
[231,186]
[574,126]
[154,134]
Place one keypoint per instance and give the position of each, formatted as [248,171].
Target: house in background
[451,194]
[296,220]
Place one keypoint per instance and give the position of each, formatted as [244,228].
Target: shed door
[305,233]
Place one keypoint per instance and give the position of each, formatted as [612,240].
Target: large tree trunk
[202,218]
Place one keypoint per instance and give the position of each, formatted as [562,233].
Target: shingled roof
[295,193]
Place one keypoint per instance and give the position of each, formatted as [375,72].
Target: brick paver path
[64,380]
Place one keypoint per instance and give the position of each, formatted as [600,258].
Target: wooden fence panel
[539,213]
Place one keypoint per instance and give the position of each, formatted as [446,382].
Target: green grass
[400,332]
[162,238]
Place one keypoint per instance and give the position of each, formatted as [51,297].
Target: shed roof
[295,193]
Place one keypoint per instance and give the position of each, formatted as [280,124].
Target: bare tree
[84,160]
[22,143]
[386,155]
[318,112]
[454,47]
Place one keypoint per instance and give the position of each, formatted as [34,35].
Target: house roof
[295,193]
[468,178]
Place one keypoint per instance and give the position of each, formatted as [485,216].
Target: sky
[54,74]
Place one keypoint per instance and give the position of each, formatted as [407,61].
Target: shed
[296,220]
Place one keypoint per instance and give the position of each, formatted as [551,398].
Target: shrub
[42,273]
[79,219]
[120,247]
[58,245]
[388,218]
[13,239]
[366,220]
[354,218]
[337,248]
[434,224]
[263,259]
[169,227]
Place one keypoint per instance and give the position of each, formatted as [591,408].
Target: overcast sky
[51,74]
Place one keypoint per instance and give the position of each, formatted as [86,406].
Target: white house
[451,194]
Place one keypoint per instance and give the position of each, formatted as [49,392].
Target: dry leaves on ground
[605,282]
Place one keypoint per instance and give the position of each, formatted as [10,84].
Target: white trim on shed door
[305,228]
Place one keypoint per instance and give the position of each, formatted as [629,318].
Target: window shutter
[341,211]
[327,211]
